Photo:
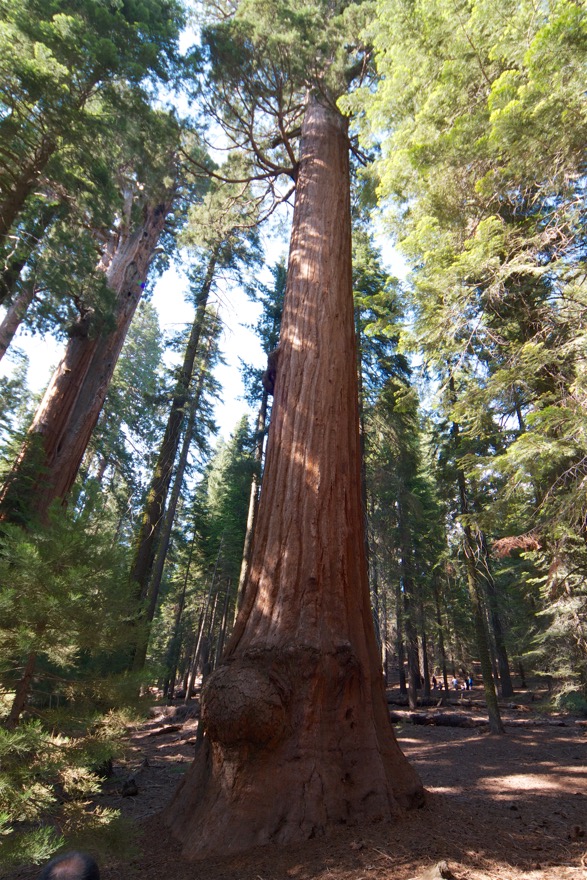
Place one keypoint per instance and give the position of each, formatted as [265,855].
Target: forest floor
[512,807]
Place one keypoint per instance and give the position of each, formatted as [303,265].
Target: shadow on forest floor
[511,807]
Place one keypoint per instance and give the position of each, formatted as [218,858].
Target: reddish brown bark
[14,316]
[22,691]
[23,184]
[253,500]
[49,460]
[298,737]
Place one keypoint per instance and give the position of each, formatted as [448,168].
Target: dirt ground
[510,807]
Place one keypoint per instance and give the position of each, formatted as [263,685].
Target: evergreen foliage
[472,118]
[480,120]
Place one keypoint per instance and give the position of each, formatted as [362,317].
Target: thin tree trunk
[14,317]
[191,670]
[194,672]
[49,460]
[223,625]
[471,550]
[425,664]
[169,516]
[373,568]
[157,495]
[362,447]
[440,633]
[505,679]
[297,730]
[470,547]
[22,691]
[253,500]
[385,640]
[175,645]
[399,617]
[411,648]
[208,641]
[408,593]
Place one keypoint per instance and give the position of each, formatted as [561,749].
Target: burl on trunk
[297,733]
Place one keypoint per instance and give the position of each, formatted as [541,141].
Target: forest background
[125,530]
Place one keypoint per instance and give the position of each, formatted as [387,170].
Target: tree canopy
[410,505]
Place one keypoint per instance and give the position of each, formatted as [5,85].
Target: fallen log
[169,728]
[440,719]
[445,698]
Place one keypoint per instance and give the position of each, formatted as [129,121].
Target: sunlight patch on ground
[522,782]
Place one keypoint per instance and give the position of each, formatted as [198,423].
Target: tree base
[292,748]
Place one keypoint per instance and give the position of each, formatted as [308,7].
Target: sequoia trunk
[49,460]
[297,733]
[23,184]
[14,317]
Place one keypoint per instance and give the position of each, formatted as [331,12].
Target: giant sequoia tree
[297,733]
[49,459]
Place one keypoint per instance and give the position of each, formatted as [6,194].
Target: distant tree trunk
[22,691]
[169,517]
[223,626]
[202,629]
[362,447]
[411,649]
[472,550]
[101,469]
[475,592]
[14,317]
[253,500]
[49,460]
[192,661]
[297,730]
[440,634]
[408,593]
[503,666]
[173,651]
[425,664]
[152,518]
[207,642]
[385,640]
[23,185]
[399,617]
[373,568]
